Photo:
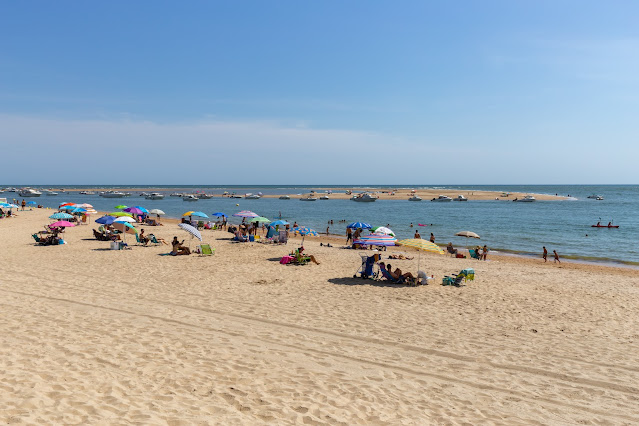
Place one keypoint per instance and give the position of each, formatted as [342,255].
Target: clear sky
[300,92]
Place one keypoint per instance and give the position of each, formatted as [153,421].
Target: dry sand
[94,336]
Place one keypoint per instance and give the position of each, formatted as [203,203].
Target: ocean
[507,227]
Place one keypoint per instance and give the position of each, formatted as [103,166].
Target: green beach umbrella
[121,206]
[120,214]
[260,219]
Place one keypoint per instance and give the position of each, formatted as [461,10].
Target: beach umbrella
[68,207]
[383,230]
[126,219]
[62,224]
[85,205]
[199,214]
[421,245]
[142,209]
[60,215]
[246,213]
[78,210]
[125,228]
[156,211]
[105,220]
[359,225]
[304,231]
[118,214]
[32,203]
[91,211]
[133,210]
[66,204]
[279,222]
[121,207]
[8,206]
[260,219]
[191,230]
[467,234]
[376,240]
[218,214]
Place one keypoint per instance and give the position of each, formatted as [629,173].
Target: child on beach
[556,256]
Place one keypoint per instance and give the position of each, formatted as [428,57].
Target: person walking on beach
[349,235]
[432,238]
[545,255]
[556,256]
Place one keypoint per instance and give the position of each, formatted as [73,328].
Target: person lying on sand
[400,257]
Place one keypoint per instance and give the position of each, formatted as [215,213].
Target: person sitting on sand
[299,251]
[159,240]
[143,238]
[451,249]
[178,248]
[397,273]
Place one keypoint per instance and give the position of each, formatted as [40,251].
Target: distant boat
[154,196]
[308,198]
[364,198]
[113,194]
[442,198]
[415,198]
[460,198]
[252,197]
[189,197]
[594,197]
[49,192]
[87,193]
[143,194]
[599,225]
[526,199]
[28,192]
[176,194]
[285,197]
[324,197]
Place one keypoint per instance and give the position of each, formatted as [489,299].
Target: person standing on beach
[556,256]
[432,238]
[327,230]
[349,235]
[24,204]
[545,255]
[484,252]
[417,236]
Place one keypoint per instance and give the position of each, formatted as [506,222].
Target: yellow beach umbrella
[419,244]
[188,213]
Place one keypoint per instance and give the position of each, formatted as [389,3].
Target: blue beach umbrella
[304,231]
[32,203]
[357,225]
[279,222]
[105,220]
[218,214]
[69,207]
[60,216]
[199,214]
[78,210]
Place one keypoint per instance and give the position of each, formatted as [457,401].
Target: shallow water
[503,225]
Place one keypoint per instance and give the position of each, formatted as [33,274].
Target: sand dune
[94,336]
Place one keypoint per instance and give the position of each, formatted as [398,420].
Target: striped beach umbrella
[191,230]
[422,245]
[246,213]
[376,240]
[304,231]
[360,225]
[260,219]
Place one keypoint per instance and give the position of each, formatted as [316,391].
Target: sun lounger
[473,254]
[388,276]
[456,279]
[283,238]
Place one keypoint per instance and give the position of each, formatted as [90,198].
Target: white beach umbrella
[125,219]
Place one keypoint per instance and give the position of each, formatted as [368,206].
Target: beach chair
[154,240]
[300,259]
[367,268]
[388,276]
[137,238]
[206,250]
[36,238]
[283,238]
[473,254]
[456,279]
[200,225]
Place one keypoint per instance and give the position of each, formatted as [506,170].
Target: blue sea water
[504,226]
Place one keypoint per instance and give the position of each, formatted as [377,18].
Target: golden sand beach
[97,336]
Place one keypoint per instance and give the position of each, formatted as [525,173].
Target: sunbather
[159,240]
[397,273]
[143,238]
[451,249]
[400,257]
[178,248]
[308,256]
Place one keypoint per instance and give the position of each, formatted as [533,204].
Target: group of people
[545,255]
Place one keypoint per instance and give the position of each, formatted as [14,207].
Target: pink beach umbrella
[61,224]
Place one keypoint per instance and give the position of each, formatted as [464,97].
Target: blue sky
[481,92]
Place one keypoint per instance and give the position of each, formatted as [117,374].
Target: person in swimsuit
[432,238]
[417,236]
[545,255]
[556,256]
